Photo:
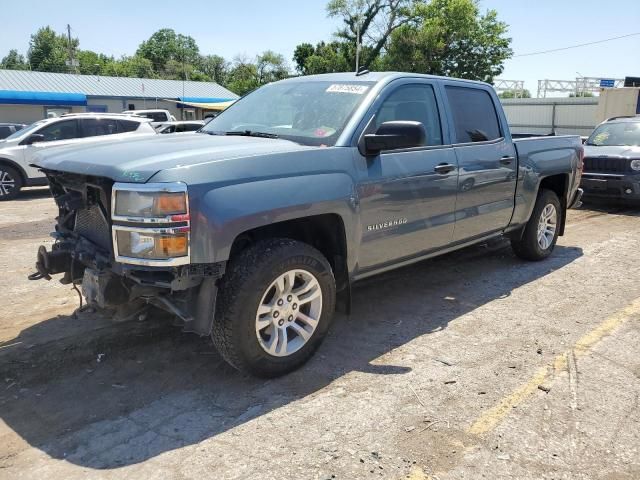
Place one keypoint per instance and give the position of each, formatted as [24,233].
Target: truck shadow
[166,391]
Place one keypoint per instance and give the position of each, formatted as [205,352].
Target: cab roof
[375,77]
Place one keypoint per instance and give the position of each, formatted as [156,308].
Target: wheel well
[324,232]
[12,164]
[559,184]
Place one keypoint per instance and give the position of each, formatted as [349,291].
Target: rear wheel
[10,182]
[274,307]
[541,232]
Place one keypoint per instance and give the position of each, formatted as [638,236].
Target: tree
[165,45]
[452,38]
[375,20]
[243,76]
[14,61]
[300,55]
[134,66]
[215,67]
[49,51]
[92,63]
[270,67]
[515,94]
[324,58]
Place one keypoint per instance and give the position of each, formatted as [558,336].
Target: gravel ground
[472,365]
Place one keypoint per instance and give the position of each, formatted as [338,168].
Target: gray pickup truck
[254,229]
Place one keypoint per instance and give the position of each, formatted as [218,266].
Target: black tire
[248,277]
[10,182]
[528,247]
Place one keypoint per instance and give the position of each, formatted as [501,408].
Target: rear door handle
[507,160]
[444,168]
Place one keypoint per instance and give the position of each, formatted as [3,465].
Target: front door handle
[444,168]
[507,160]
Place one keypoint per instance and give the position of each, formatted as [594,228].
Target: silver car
[18,150]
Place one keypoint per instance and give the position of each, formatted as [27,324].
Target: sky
[248,27]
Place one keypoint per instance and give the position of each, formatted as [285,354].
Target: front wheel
[274,307]
[10,182]
[541,232]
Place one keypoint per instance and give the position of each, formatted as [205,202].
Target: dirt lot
[473,365]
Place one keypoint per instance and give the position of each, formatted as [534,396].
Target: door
[407,198]
[486,161]
[57,133]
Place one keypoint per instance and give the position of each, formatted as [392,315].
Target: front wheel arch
[17,167]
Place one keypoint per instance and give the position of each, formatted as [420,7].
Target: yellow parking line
[489,420]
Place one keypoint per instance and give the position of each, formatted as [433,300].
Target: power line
[576,46]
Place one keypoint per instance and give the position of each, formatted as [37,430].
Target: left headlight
[151,223]
[635,164]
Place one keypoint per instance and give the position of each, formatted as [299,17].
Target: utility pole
[72,64]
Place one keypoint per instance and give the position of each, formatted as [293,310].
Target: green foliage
[14,61]
[92,63]
[134,66]
[452,38]
[324,58]
[243,76]
[166,45]
[48,51]
[215,68]
[271,67]
[512,94]
[375,20]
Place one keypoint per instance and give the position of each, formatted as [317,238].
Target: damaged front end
[128,245]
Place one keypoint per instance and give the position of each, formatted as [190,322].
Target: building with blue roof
[27,96]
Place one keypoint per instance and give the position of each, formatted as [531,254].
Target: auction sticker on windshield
[345,88]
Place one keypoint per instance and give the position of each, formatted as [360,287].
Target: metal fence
[544,116]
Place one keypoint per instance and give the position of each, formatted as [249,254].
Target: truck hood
[137,160]
[620,151]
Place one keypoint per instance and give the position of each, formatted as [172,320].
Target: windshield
[310,113]
[616,134]
[26,131]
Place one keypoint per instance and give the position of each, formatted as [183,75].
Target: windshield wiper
[249,133]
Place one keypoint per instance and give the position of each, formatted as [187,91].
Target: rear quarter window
[474,115]
[127,126]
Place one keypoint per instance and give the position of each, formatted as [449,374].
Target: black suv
[612,160]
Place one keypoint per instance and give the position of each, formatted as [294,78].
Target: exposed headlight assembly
[151,223]
[635,164]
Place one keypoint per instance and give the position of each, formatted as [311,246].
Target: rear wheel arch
[559,184]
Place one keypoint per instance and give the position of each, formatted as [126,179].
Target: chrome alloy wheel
[7,183]
[547,225]
[288,313]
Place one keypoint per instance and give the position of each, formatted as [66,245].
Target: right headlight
[635,164]
[131,203]
[151,223]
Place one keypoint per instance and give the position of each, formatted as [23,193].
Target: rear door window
[474,114]
[5,131]
[95,127]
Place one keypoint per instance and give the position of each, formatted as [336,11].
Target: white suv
[156,115]
[17,150]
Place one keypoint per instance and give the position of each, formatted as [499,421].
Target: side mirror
[35,138]
[395,135]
